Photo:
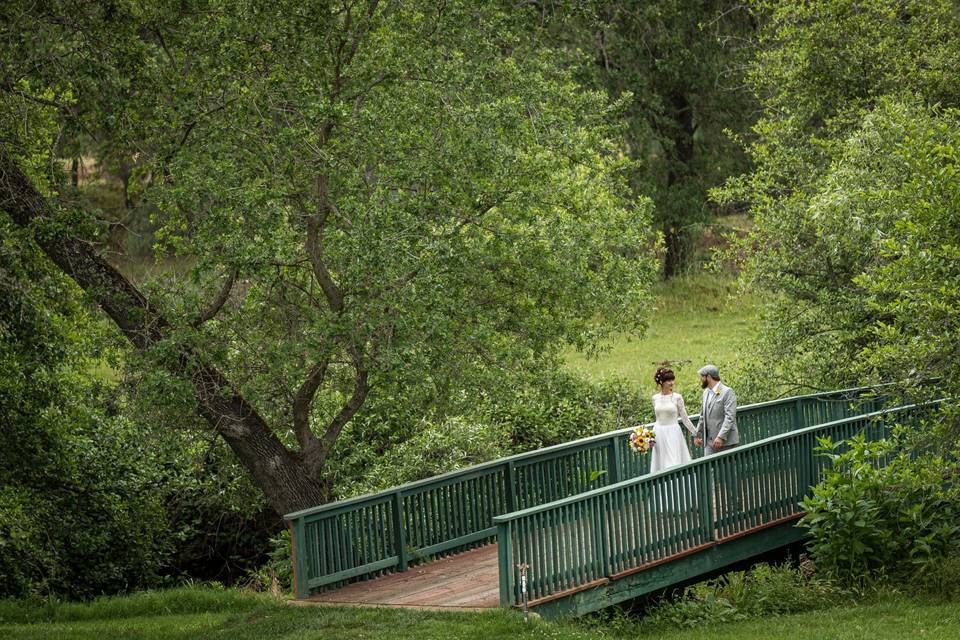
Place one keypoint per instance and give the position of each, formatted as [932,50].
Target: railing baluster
[400,535]
[613,461]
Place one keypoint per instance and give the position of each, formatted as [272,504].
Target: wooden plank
[456,542]
[467,580]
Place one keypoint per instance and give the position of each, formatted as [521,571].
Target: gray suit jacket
[719,416]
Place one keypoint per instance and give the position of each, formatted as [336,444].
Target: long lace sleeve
[684,418]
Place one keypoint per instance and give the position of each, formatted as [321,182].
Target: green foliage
[882,511]
[557,407]
[941,578]
[854,193]
[397,196]
[765,590]
[681,63]
[396,442]
[276,574]
[78,514]
[435,448]
[92,499]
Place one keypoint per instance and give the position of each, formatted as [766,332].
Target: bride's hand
[697,441]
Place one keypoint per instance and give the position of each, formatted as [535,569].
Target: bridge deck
[466,581]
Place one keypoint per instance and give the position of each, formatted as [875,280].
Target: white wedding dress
[670,445]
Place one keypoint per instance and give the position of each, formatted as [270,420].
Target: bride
[670,446]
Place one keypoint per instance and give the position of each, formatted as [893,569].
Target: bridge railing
[388,531]
[585,540]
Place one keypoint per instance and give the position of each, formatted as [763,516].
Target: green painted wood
[346,574]
[505,564]
[300,555]
[748,486]
[462,541]
[709,560]
[399,531]
[448,513]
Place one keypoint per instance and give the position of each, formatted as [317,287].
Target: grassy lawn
[208,613]
[696,319]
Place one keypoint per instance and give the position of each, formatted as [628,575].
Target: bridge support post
[706,500]
[505,561]
[399,536]
[299,551]
[613,461]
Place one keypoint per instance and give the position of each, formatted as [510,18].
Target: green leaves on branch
[854,194]
[881,511]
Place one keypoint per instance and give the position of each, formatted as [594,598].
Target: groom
[718,414]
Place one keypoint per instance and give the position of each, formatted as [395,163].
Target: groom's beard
[704,384]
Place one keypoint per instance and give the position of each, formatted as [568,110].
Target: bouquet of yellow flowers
[641,439]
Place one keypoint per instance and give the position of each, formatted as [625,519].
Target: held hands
[717,442]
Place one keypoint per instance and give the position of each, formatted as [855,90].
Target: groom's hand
[697,441]
[718,443]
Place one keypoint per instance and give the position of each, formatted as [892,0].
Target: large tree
[854,192]
[348,193]
[683,64]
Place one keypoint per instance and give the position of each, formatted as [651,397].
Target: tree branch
[309,444]
[314,247]
[218,302]
[275,470]
[361,388]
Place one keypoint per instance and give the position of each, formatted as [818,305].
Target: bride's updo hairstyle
[662,375]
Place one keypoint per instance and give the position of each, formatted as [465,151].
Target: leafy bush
[764,590]
[882,510]
[276,574]
[401,436]
[941,578]
[79,515]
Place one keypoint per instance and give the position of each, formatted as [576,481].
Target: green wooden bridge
[583,524]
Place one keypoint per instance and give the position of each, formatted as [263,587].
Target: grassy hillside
[695,320]
[208,613]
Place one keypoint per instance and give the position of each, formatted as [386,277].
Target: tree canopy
[854,193]
[344,194]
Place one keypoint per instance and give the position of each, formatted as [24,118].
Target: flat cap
[710,370]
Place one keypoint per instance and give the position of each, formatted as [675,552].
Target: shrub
[400,437]
[79,515]
[276,574]
[882,510]
[941,578]
[762,591]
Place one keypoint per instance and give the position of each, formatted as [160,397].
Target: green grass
[695,320]
[211,613]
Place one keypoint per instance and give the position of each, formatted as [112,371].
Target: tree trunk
[677,238]
[279,473]
[676,243]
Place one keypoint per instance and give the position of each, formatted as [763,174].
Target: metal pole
[523,590]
